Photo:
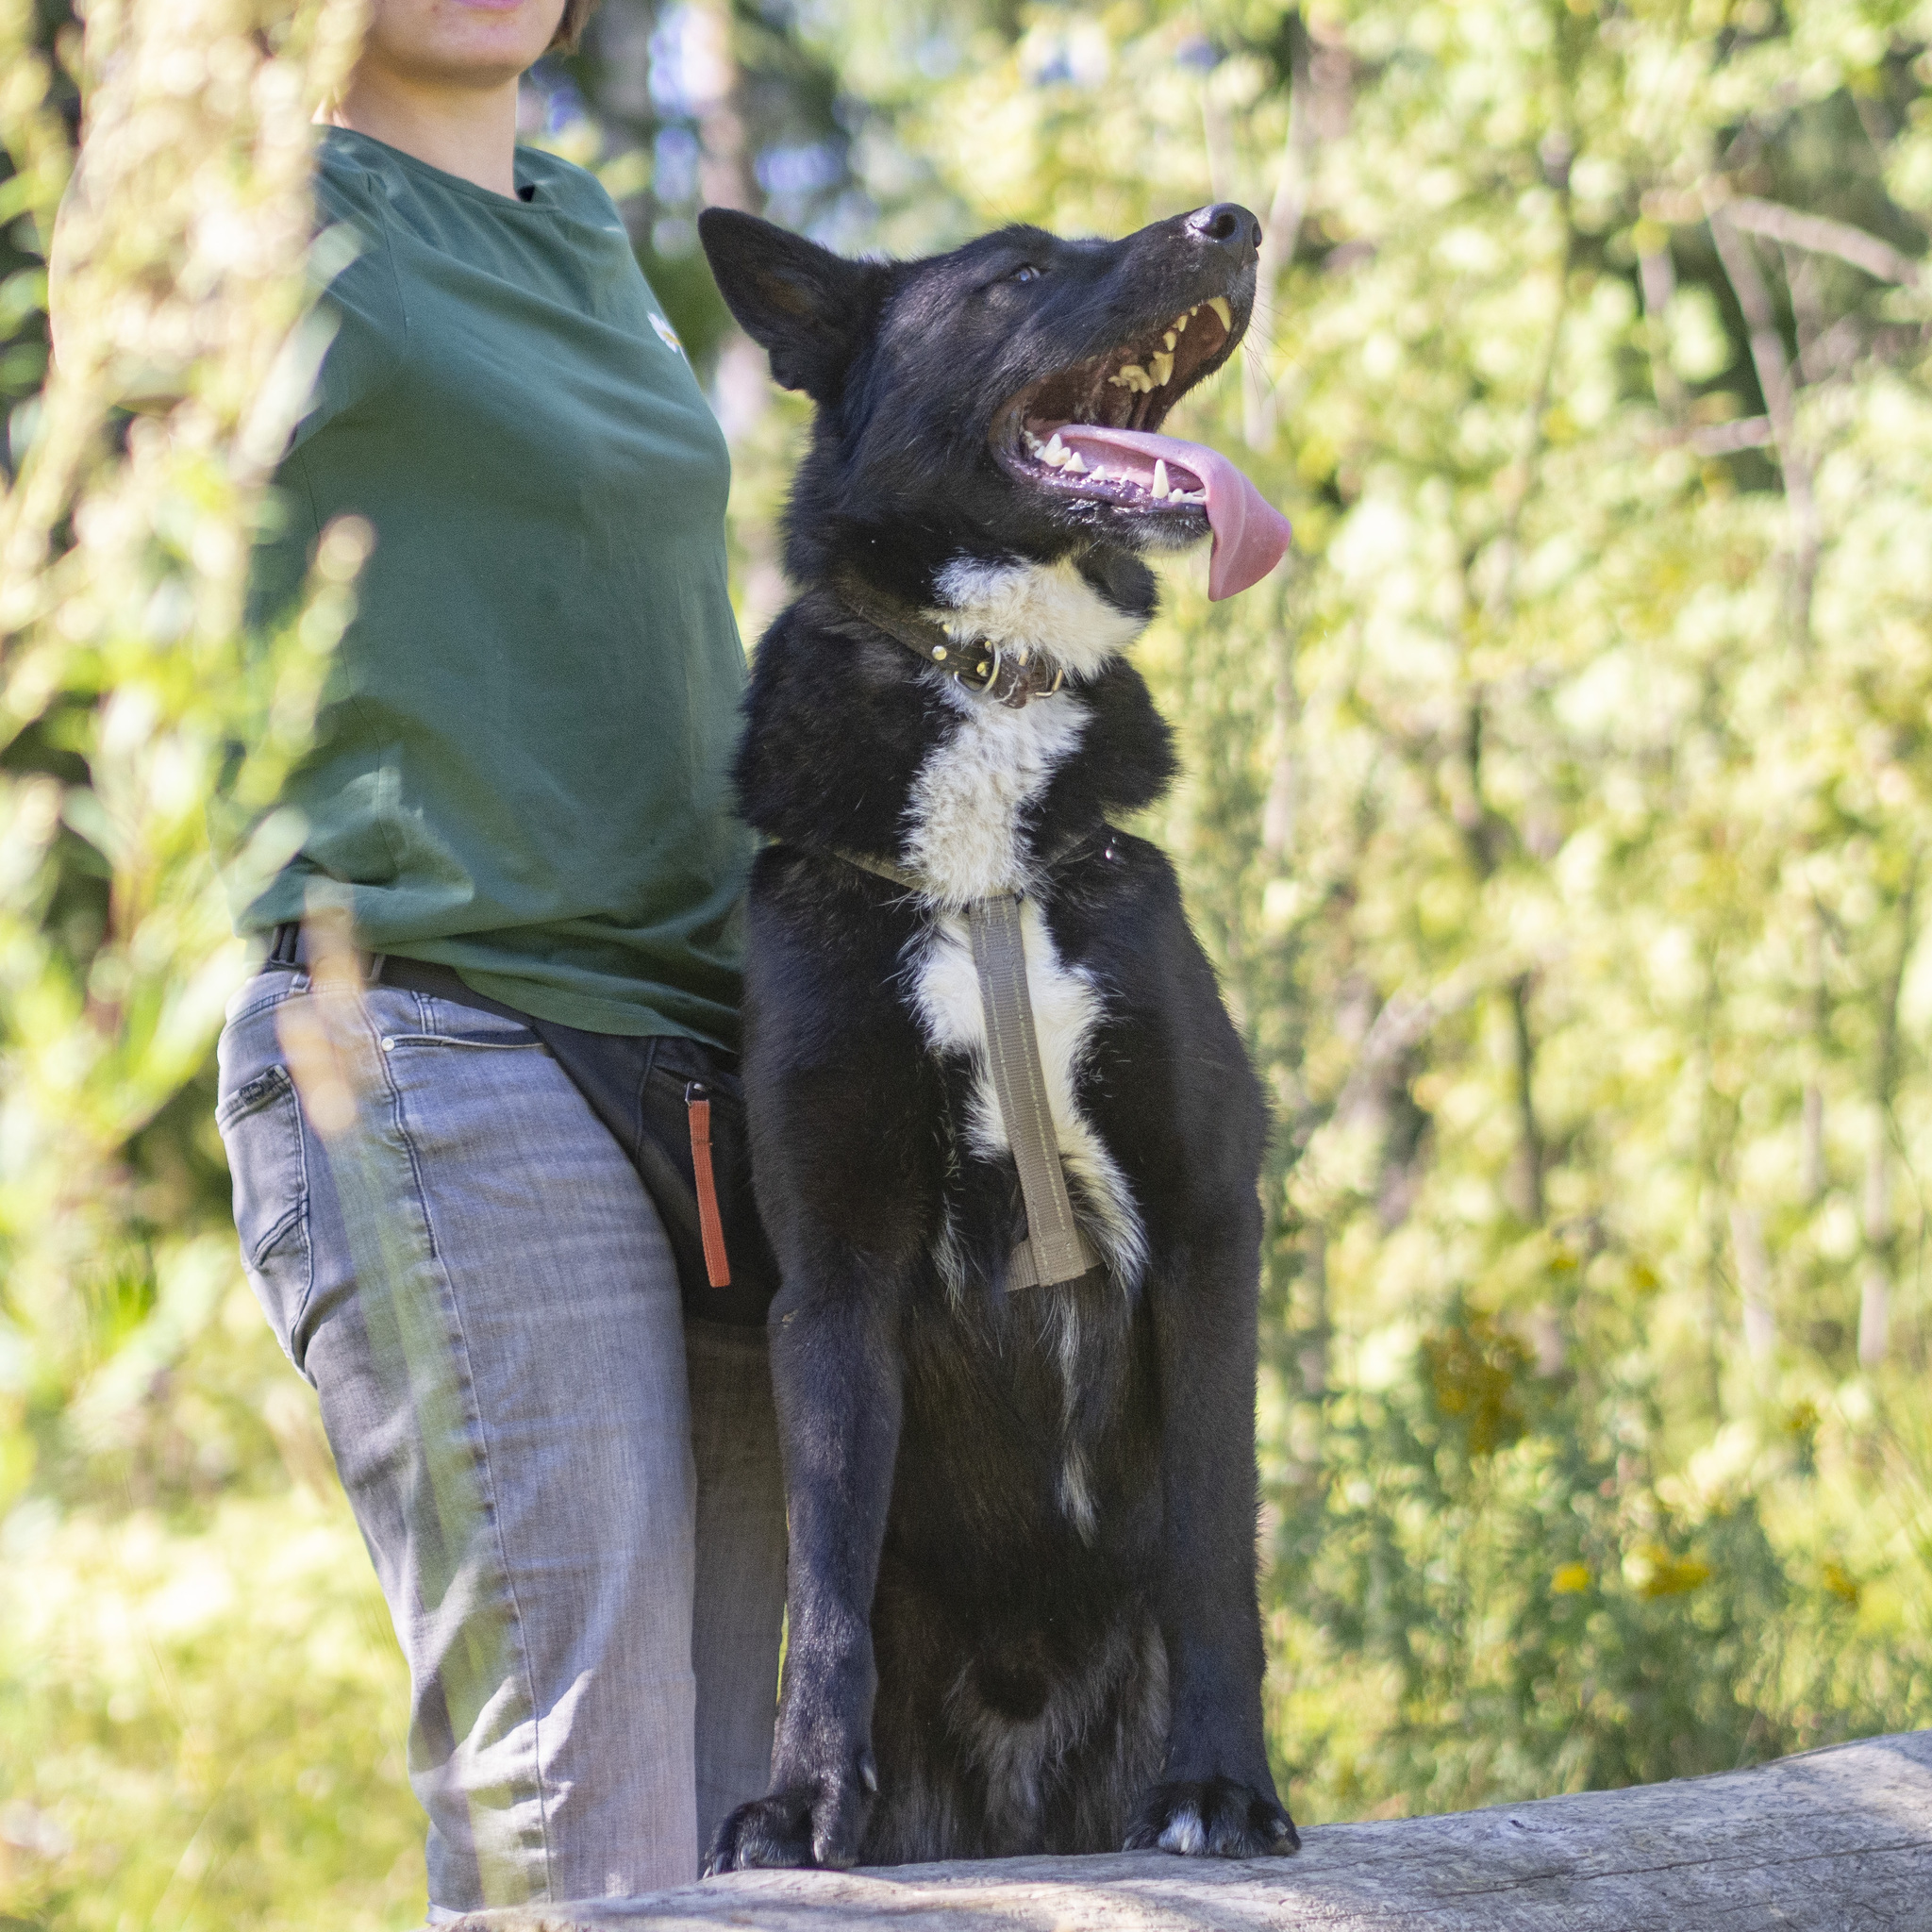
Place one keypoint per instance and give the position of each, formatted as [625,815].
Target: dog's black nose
[1228,225]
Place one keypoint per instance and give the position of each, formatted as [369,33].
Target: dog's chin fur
[1032,1515]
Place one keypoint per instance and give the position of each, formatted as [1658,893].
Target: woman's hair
[570,27]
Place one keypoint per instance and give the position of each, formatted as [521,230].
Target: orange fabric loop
[717,1262]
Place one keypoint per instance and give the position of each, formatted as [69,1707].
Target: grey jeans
[571,1497]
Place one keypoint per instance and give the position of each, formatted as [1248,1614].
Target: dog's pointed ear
[803,305]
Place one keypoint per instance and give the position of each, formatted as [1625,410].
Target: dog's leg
[834,1366]
[843,1102]
[1217,1795]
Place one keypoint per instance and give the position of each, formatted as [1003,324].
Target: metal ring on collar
[991,666]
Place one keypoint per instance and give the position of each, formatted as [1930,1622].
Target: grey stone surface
[1834,1840]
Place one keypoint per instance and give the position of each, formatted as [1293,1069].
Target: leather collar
[1014,678]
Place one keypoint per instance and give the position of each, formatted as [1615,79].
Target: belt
[288,952]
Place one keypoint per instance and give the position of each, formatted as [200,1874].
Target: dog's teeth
[1162,365]
[1134,377]
[1160,479]
[1056,452]
[1218,305]
[1171,336]
[1074,466]
[1097,471]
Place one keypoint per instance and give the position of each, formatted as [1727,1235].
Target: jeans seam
[475,1409]
[272,997]
[254,1255]
[637,1112]
[306,1220]
[456,1040]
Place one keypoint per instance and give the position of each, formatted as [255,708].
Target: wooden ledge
[1830,1840]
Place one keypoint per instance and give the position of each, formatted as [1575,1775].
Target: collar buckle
[980,665]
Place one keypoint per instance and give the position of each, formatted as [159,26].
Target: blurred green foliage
[199,1701]
[1556,818]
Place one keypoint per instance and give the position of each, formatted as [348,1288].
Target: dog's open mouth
[1091,431]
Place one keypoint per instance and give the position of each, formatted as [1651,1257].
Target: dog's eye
[1024,273]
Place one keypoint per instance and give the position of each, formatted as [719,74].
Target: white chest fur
[963,815]
[963,837]
[963,820]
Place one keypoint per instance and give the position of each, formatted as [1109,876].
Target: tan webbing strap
[1054,1248]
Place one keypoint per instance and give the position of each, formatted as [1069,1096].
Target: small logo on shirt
[666,334]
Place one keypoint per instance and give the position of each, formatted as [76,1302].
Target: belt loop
[697,1108]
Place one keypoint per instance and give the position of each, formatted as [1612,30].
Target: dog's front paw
[1219,1818]
[821,1821]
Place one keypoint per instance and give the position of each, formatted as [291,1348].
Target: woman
[516,798]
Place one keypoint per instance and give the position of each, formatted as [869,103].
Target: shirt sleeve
[363,302]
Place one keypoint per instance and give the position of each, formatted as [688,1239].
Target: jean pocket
[260,1125]
[420,1018]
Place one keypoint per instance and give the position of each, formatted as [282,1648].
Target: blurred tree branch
[1822,236]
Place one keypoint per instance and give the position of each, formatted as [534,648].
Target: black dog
[1023,1605]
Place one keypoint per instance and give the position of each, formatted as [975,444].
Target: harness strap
[1054,1247]
[881,868]
[1076,847]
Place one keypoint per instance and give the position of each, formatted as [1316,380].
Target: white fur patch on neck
[963,829]
[1033,606]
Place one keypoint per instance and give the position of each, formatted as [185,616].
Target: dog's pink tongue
[1250,534]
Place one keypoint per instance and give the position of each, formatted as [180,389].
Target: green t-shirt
[521,768]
